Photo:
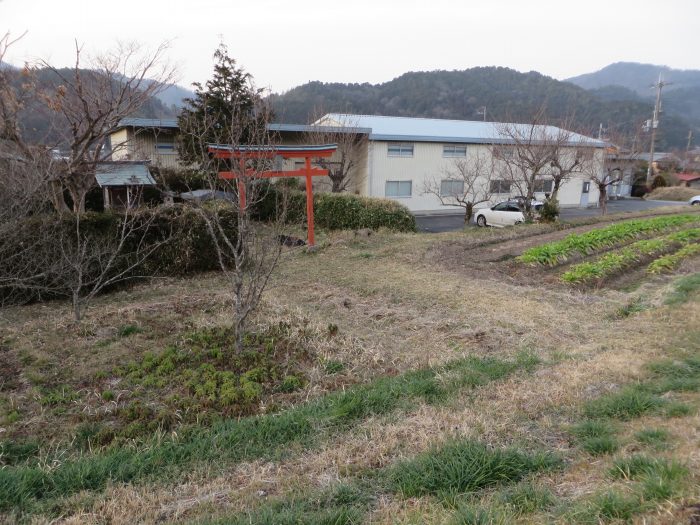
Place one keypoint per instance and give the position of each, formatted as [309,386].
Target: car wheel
[695,203]
[481,221]
[518,222]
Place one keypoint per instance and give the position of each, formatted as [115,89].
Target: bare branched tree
[89,103]
[352,145]
[88,260]
[24,171]
[233,114]
[465,182]
[570,156]
[535,151]
[524,155]
[42,255]
[619,156]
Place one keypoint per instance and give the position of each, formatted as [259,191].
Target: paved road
[446,223]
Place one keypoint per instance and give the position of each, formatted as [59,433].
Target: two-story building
[144,139]
[398,156]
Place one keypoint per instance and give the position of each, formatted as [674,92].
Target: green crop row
[613,262]
[586,243]
[670,261]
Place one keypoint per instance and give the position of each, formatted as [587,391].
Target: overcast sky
[285,43]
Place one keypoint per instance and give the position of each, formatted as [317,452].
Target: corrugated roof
[442,130]
[123,174]
[205,195]
[309,128]
[277,147]
[688,177]
[658,157]
[148,123]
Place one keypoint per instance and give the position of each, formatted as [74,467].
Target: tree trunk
[603,199]
[555,189]
[337,185]
[77,311]
[78,197]
[59,203]
[468,212]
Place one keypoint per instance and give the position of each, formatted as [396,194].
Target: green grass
[340,505]
[597,437]
[605,507]
[599,446]
[16,451]
[676,375]
[128,330]
[593,429]
[629,403]
[526,498]
[472,515]
[654,437]
[660,479]
[265,436]
[634,306]
[462,467]
[684,290]
[639,466]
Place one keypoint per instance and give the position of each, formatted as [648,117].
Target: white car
[695,201]
[502,214]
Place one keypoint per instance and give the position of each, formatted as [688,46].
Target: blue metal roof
[274,147]
[123,174]
[441,130]
[305,128]
[148,123]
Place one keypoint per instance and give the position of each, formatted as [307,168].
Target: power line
[654,124]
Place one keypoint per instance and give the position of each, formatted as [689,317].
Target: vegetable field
[643,246]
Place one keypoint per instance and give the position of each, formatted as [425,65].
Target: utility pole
[687,150]
[655,124]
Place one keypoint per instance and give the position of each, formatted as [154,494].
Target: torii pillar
[306,152]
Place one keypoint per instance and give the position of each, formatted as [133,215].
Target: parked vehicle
[520,201]
[695,201]
[506,213]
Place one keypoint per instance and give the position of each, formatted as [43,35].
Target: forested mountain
[40,125]
[637,77]
[633,81]
[507,94]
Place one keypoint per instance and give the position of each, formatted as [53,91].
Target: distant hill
[637,77]
[631,81]
[36,121]
[507,94]
[173,96]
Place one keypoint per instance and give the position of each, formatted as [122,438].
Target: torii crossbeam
[306,152]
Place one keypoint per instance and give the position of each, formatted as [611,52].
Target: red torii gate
[306,152]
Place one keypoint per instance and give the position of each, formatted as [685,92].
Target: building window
[500,186]
[451,188]
[543,186]
[400,149]
[398,188]
[454,150]
[165,146]
[504,152]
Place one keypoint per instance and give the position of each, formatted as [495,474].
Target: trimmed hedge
[188,248]
[339,211]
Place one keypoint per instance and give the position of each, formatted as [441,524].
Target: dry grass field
[396,378]
[674,193]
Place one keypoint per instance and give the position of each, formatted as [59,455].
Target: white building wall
[428,162]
